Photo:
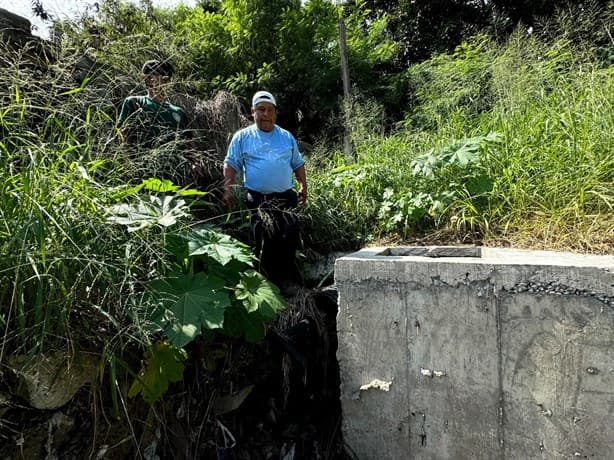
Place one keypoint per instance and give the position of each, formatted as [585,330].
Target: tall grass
[66,275]
[556,171]
[548,181]
[90,266]
[70,282]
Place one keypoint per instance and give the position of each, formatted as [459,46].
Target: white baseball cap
[263,96]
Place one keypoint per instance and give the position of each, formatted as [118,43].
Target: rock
[16,37]
[320,268]
[13,22]
[14,28]
[50,381]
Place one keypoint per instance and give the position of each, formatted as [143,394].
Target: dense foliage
[505,143]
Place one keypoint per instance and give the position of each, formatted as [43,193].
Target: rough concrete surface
[476,353]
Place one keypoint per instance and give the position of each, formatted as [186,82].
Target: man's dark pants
[276,233]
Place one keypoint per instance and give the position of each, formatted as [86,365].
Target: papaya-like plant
[453,181]
[210,287]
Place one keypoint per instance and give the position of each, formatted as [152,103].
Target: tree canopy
[291,47]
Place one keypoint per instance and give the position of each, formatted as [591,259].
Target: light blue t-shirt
[266,159]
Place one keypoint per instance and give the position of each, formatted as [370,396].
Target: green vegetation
[505,144]
[92,262]
[505,140]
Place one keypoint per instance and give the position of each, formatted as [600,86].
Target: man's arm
[301,178]
[230,176]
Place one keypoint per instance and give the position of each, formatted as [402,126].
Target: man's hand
[302,195]
[228,199]
[301,178]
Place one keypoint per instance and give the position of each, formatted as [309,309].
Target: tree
[287,48]
[424,27]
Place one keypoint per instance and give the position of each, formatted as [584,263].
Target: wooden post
[345,76]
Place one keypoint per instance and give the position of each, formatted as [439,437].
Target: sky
[65,9]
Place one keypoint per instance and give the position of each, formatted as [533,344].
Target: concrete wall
[476,353]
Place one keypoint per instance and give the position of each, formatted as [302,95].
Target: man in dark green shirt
[151,120]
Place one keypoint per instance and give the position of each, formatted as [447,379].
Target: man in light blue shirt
[267,156]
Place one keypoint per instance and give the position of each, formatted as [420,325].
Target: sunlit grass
[552,173]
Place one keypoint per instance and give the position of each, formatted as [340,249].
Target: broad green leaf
[165,186]
[171,210]
[257,294]
[164,364]
[424,165]
[467,152]
[460,153]
[158,185]
[231,272]
[163,211]
[480,185]
[192,302]
[218,246]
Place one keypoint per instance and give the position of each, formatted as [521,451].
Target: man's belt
[271,196]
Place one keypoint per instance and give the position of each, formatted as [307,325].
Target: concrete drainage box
[476,353]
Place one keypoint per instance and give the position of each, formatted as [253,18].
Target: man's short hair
[160,68]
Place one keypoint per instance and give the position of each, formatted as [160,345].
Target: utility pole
[345,77]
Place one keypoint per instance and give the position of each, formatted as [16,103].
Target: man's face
[158,85]
[265,116]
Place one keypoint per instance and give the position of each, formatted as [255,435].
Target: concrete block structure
[476,353]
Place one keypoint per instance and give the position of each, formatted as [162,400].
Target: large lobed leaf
[218,246]
[190,302]
[461,153]
[163,211]
[257,294]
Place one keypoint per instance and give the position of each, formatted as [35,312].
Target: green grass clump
[555,170]
[63,265]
